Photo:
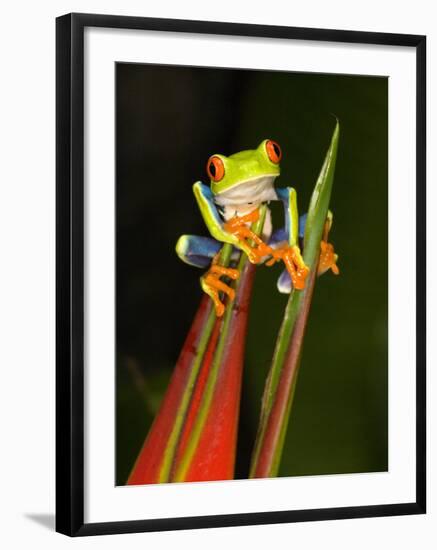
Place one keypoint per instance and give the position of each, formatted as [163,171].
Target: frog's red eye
[273,151]
[215,168]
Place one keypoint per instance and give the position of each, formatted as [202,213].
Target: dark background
[169,121]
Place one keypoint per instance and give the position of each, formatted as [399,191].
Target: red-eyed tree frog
[239,185]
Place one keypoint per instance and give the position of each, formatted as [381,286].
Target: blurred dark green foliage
[169,120]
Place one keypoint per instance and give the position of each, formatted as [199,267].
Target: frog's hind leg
[205,252]
[328,257]
[197,251]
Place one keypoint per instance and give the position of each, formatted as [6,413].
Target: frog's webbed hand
[212,285]
[328,257]
[293,262]
[255,248]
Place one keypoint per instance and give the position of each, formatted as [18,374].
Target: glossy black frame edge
[70,279]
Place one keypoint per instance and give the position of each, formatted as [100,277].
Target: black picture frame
[70,273]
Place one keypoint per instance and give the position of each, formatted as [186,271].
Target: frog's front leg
[203,252]
[285,242]
[295,272]
[235,232]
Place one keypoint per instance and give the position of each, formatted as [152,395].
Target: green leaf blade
[281,382]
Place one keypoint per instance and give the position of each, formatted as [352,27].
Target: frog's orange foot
[294,264]
[299,277]
[255,248]
[257,255]
[296,267]
[212,285]
[328,259]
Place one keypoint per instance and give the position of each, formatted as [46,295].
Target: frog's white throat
[250,192]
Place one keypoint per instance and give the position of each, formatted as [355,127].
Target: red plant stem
[146,468]
[199,389]
[194,435]
[214,458]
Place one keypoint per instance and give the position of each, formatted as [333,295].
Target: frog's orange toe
[328,259]
[219,308]
[212,285]
[299,277]
[296,267]
[219,270]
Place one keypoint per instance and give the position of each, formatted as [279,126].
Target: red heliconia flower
[194,434]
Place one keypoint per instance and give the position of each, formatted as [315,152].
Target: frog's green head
[245,176]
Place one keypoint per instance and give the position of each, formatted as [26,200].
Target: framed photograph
[240,274]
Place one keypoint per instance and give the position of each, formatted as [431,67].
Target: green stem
[280,385]
[280,388]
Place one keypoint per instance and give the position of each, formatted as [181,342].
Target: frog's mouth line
[256,190]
